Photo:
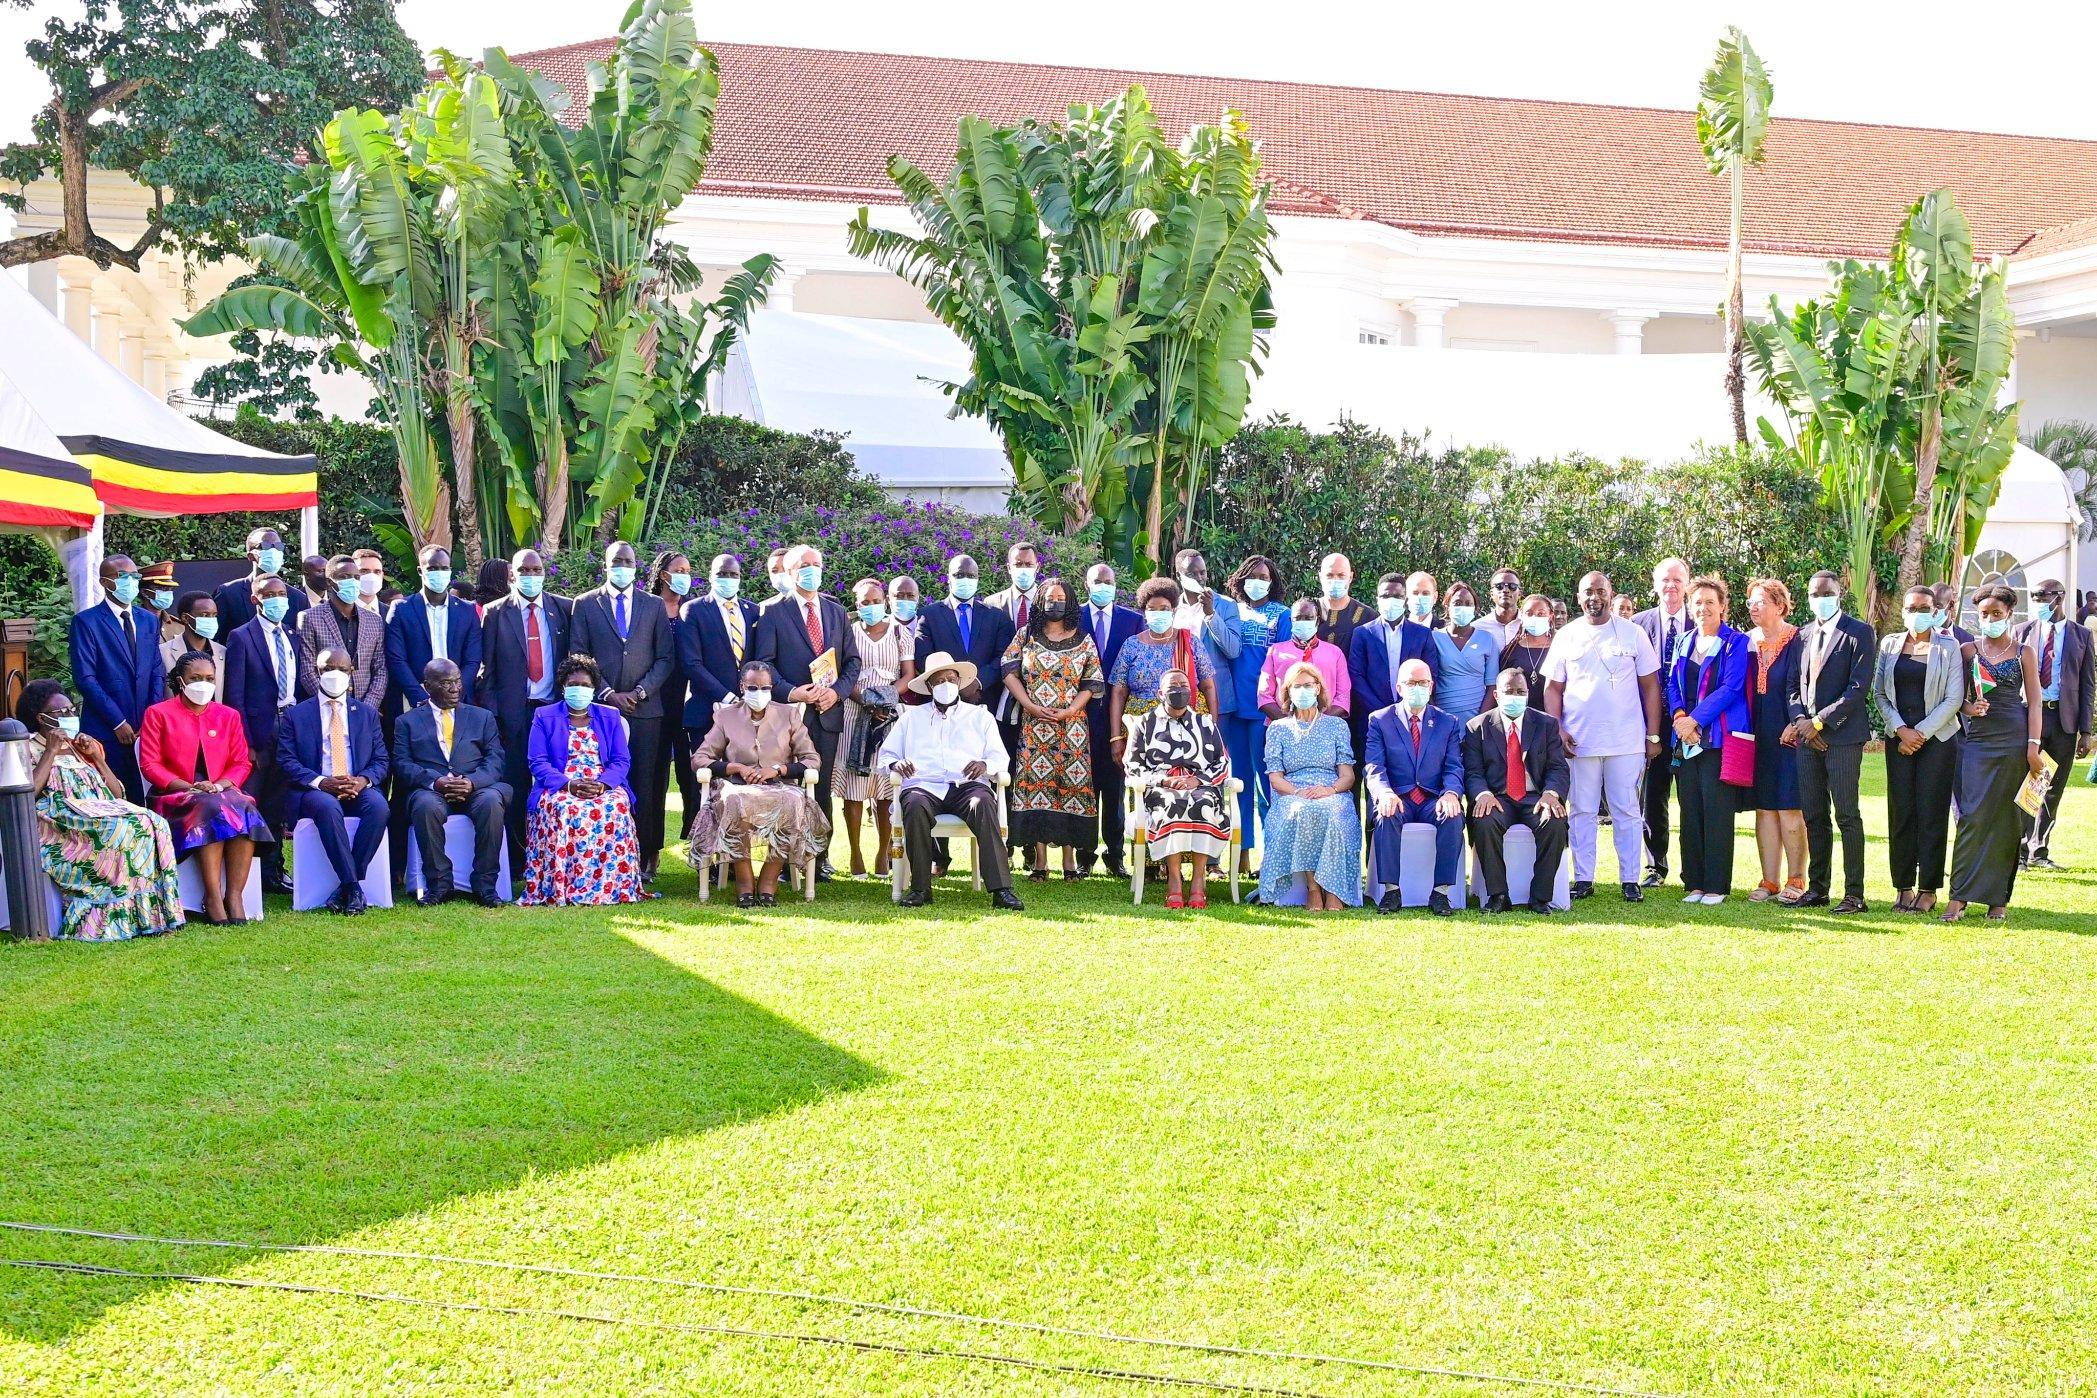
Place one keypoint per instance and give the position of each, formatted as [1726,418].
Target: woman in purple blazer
[580,843]
[1707,685]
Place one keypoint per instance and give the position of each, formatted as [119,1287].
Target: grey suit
[320,629]
[638,662]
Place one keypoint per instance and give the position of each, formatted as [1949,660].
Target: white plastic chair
[1139,830]
[191,885]
[718,869]
[458,848]
[313,880]
[1415,868]
[944,827]
[1518,848]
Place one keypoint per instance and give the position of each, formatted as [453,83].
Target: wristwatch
[1652,737]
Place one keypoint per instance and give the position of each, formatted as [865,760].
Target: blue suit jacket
[1393,767]
[1723,708]
[547,752]
[990,632]
[117,683]
[706,658]
[300,743]
[236,602]
[1369,663]
[418,754]
[408,650]
[251,682]
[1122,623]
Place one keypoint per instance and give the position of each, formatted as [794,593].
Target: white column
[76,295]
[781,296]
[155,379]
[1428,315]
[1630,327]
[131,348]
[110,311]
[42,280]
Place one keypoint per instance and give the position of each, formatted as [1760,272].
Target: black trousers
[1918,812]
[427,812]
[1660,775]
[266,784]
[977,805]
[826,743]
[650,779]
[680,759]
[2056,741]
[517,776]
[1707,824]
[1827,780]
[1489,841]
[1111,784]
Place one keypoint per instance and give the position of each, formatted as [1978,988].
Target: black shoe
[431,898]
[824,872]
[1391,901]
[353,904]
[1655,878]
[2044,862]
[746,900]
[1438,904]
[1540,906]
[1811,899]
[914,899]
[1583,888]
[276,883]
[1634,894]
[490,900]
[767,900]
[1851,903]
[1497,904]
[1118,870]
[1005,900]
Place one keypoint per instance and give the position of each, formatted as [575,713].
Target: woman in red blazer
[193,754]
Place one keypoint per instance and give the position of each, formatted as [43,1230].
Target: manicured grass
[1731,1148]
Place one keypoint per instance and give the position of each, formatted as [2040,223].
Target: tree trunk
[553,496]
[1154,510]
[459,417]
[76,237]
[1736,334]
[1914,543]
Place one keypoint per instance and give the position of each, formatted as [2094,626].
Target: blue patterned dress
[1141,664]
[583,850]
[1321,838]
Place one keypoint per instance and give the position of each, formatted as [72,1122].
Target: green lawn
[1735,1149]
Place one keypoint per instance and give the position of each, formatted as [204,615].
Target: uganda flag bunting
[41,492]
[135,479]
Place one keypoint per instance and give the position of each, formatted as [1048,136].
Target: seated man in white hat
[948,756]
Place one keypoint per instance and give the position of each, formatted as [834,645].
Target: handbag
[1736,762]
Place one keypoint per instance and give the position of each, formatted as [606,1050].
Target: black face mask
[1178,698]
[1055,611]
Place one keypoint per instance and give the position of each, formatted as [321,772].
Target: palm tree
[1732,123]
[2072,445]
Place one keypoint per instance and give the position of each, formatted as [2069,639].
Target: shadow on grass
[311,1076]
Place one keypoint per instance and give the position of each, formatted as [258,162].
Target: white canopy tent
[867,378]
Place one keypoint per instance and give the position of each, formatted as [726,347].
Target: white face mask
[1188,584]
[946,692]
[334,683]
[757,699]
[200,691]
[368,584]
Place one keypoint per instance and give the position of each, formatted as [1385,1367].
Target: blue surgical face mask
[725,587]
[964,588]
[437,580]
[1102,594]
[1919,622]
[1420,605]
[1304,696]
[809,577]
[530,585]
[680,583]
[906,608]
[160,599]
[1536,625]
[1335,588]
[1825,608]
[1023,577]
[205,626]
[1391,609]
[1256,589]
[2042,611]
[577,697]
[1416,695]
[274,609]
[620,575]
[269,561]
[68,725]
[1943,617]
[348,591]
[873,614]
[1461,615]
[125,588]
[1158,620]
[1994,630]
[1514,706]
[1301,630]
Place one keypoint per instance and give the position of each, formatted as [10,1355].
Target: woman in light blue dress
[1468,658]
[1312,828]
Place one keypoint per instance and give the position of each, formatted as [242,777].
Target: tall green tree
[1111,289]
[1733,125]
[208,103]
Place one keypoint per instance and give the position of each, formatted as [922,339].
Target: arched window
[1993,566]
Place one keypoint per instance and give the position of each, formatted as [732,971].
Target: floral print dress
[113,862]
[1052,798]
[583,849]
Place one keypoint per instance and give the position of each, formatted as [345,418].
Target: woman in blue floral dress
[1260,620]
[581,845]
[1312,828]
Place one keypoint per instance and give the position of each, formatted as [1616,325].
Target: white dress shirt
[439,619]
[941,743]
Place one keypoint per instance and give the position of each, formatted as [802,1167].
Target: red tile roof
[817,123]
[2081,233]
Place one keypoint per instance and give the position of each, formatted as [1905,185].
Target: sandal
[746,900]
[1175,901]
[1039,875]
[1998,915]
[767,900]
[1073,876]
[1918,906]
[1904,901]
[1953,911]
[1764,891]
[1794,889]
[1198,901]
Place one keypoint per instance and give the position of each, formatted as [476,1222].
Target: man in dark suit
[1829,727]
[966,627]
[447,761]
[628,634]
[236,599]
[1375,650]
[798,633]
[2066,683]
[1110,625]
[1414,771]
[432,624]
[1665,624]
[1516,773]
[354,631]
[333,759]
[115,649]
[524,635]
[714,636]
[262,681]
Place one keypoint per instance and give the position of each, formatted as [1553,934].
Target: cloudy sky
[2010,67]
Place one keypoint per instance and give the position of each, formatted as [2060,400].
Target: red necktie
[1419,792]
[1517,775]
[534,649]
[1022,619]
[2046,660]
[815,630]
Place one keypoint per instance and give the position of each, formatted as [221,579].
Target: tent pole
[82,556]
[309,531]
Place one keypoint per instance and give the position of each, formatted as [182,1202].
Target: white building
[1540,274]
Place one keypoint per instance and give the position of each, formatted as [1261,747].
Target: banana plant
[1733,126]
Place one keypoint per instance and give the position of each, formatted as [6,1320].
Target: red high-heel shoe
[1173,900]
[1199,900]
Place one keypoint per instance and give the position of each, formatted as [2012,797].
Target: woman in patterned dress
[887,662]
[581,846]
[1052,672]
[1313,828]
[1179,757]
[113,862]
